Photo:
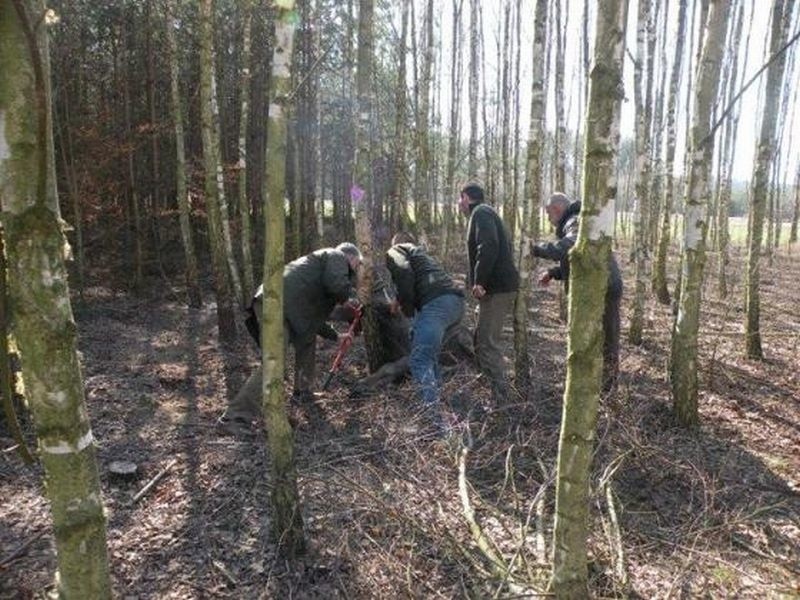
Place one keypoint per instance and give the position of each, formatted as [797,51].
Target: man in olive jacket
[312,286]
[426,292]
[493,281]
[564,216]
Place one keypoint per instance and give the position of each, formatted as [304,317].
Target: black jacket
[566,236]
[491,259]
[417,277]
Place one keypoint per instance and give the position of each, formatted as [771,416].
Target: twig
[153,481]
[225,573]
[21,550]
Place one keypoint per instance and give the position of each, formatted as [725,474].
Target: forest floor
[713,512]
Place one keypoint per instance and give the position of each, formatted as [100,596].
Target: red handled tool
[344,346]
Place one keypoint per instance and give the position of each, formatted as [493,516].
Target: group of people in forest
[318,283]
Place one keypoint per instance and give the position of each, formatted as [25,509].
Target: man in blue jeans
[424,289]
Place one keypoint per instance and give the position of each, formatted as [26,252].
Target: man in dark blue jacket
[426,292]
[493,281]
[564,216]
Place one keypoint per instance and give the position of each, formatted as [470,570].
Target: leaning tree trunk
[660,265]
[287,519]
[187,239]
[43,322]
[213,176]
[683,356]
[641,229]
[529,225]
[244,114]
[588,282]
[760,183]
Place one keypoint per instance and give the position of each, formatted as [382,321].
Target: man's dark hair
[474,192]
[403,237]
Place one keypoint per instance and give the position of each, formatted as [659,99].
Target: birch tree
[213,176]
[287,519]
[244,119]
[44,326]
[529,225]
[683,355]
[588,282]
[660,263]
[641,230]
[728,153]
[176,105]
[474,89]
[760,182]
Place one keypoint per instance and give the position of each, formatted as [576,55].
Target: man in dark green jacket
[493,281]
[312,286]
[426,292]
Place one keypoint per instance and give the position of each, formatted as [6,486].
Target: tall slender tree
[760,182]
[660,263]
[641,230]
[683,355]
[213,176]
[38,289]
[474,89]
[187,237]
[588,282]
[529,224]
[422,174]
[287,519]
[728,153]
[244,120]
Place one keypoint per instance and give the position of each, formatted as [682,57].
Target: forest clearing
[399,299]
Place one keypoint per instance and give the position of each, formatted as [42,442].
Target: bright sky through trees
[756,10]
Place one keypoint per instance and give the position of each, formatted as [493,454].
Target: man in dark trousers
[564,215]
[427,293]
[493,280]
[312,286]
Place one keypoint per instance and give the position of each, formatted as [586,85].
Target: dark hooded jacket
[312,286]
[491,259]
[566,236]
[417,277]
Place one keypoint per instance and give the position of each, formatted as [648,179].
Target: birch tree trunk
[728,152]
[38,289]
[660,265]
[760,183]
[560,170]
[529,225]
[213,176]
[455,111]
[287,519]
[641,231]
[683,355]
[187,238]
[244,120]
[474,89]
[588,282]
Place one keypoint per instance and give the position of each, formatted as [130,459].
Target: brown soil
[708,513]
